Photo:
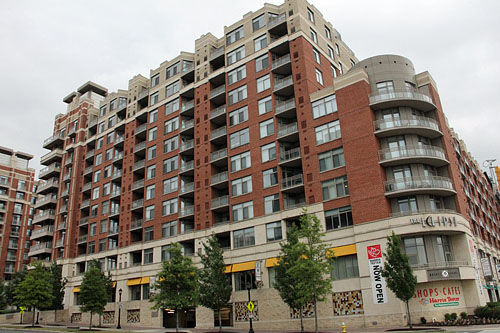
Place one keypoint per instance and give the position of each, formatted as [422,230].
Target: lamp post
[119,308]
[250,315]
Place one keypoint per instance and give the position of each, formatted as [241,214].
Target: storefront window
[415,250]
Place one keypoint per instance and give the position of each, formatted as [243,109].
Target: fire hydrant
[343,327]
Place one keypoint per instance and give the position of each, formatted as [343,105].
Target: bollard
[343,327]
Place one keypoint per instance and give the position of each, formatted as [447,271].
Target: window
[337,49]
[319,76]
[101,127]
[266,128]
[353,63]
[149,234]
[239,138]
[234,35]
[444,252]
[327,132]
[261,63]
[155,80]
[102,111]
[324,106]
[314,36]
[335,188]
[173,70]
[273,231]
[243,237]
[272,204]
[341,69]
[172,88]
[108,155]
[171,125]
[150,192]
[240,161]
[236,75]
[330,52]
[170,144]
[263,83]
[103,226]
[345,267]
[270,177]
[169,229]
[259,22]
[153,116]
[241,186]
[152,134]
[148,256]
[310,15]
[415,250]
[170,164]
[149,213]
[386,88]
[102,245]
[93,229]
[236,55]
[331,159]
[243,211]
[106,189]
[265,105]
[171,107]
[153,99]
[268,152]
[338,218]
[91,247]
[111,121]
[241,279]
[151,171]
[238,116]
[260,42]
[317,58]
[328,33]
[170,185]
[151,152]
[99,143]
[98,159]
[135,292]
[407,204]
[237,95]
[436,202]
[95,193]
[165,253]
[110,137]
[169,207]
[334,72]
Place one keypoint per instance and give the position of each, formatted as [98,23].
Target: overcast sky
[49,48]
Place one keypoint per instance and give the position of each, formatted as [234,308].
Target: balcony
[218,135]
[431,155]
[85,204]
[114,211]
[65,193]
[217,53]
[87,187]
[48,215]
[117,174]
[42,248]
[220,202]
[89,154]
[282,65]
[217,57]
[138,204]
[290,157]
[140,147]
[141,129]
[115,194]
[139,165]
[218,95]
[187,146]
[187,108]
[52,170]
[93,122]
[82,239]
[187,126]
[137,224]
[219,180]
[186,188]
[416,185]
[187,167]
[63,209]
[286,108]
[283,86]
[118,158]
[88,170]
[42,232]
[293,183]
[119,140]
[138,185]
[84,221]
[423,126]
[218,115]
[186,211]
[67,177]
[60,243]
[143,94]
[288,132]
[274,22]
[219,157]
[113,231]
[52,157]
[54,141]
[61,226]
[412,98]
[49,200]
[69,161]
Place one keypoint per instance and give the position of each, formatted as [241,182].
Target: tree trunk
[301,320]
[176,320]
[99,320]
[315,317]
[33,321]
[409,316]
[220,321]
[90,326]
[55,315]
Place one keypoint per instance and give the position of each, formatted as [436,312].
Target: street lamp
[250,315]
[119,308]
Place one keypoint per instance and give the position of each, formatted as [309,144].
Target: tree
[215,288]
[11,286]
[35,290]
[287,276]
[398,273]
[3,298]
[58,286]
[176,285]
[93,291]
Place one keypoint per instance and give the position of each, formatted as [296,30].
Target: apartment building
[235,140]
[17,207]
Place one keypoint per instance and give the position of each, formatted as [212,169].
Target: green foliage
[11,286]
[36,288]
[176,284]
[447,317]
[423,321]
[3,298]
[454,316]
[488,311]
[93,290]
[58,286]
[463,315]
[215,287]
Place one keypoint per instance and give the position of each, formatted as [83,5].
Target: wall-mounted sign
[443,274]
[485,262]
[438,297]
[379,290]
[258,271]
[431,221]
[476,266]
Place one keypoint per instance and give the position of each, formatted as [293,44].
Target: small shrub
[447,317]
[423,320]
[480,311]
[493,304]
[454,316]
[463,315]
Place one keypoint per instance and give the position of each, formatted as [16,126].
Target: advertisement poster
[379,289]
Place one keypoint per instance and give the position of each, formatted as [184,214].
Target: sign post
[250,307]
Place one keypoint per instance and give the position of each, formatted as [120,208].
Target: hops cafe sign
[438,297]
[379,289]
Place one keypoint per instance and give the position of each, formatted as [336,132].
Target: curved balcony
[423,126]
[411,98]
[413,154]
[416,185]
[48,215]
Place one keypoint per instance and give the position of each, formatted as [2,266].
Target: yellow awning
[76,289]
[228,269]
[341,251]
[145,280]
[134,282]
[270,262]
[244,266]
